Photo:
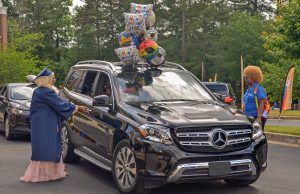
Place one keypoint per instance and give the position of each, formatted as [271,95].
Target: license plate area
[219,168]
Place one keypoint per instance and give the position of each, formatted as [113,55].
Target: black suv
[152,126]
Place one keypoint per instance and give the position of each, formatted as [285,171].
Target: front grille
[200,139]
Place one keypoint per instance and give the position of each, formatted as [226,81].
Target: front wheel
[7,132]
[124,170]
[68,154]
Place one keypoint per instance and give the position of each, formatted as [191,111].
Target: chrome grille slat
[200,139]
[240,140]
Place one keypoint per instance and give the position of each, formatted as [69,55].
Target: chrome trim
[209,136]
[92,159]
[178,172]
[168,63]
[99,62]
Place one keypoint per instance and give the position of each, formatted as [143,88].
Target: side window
[4,91]
[74,80]
[103,85]
[86,84]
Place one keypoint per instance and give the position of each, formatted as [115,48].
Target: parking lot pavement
[281,176]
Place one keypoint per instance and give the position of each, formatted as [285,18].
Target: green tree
[51,18]
[283,48]
[241,36]
[19,59]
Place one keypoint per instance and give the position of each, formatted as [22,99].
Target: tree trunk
[183,38]
[57,45]
[111,23]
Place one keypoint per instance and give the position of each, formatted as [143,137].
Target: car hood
[184,113]
[21,104]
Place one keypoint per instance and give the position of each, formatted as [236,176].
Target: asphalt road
[276,122]
[281,176]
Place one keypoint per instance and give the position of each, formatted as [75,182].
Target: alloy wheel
[125,168]
[6,128]
[65,141]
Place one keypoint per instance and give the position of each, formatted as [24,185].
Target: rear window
[218,88]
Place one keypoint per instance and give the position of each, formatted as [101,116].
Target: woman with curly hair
[255,97]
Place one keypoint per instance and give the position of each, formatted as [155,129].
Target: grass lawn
[283,129]
[285,113]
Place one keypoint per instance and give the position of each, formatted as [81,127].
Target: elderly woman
[255,96]
[47,112]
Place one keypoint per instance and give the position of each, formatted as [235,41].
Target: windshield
[218,88]
[21,92]
[160,86]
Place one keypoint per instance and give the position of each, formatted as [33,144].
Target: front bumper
[170,164]
[20,124]
[237,167]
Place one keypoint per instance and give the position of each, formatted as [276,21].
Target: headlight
[257,130]
[19,111]
[156,133]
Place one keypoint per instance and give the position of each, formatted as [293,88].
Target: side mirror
[102,100]
[2,98]
[219,97]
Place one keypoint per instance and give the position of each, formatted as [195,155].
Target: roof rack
[98,62]
[167,63]
[112,66]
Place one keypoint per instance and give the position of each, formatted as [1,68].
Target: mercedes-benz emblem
[219,139]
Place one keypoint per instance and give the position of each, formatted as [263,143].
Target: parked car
[223,91]
[153,126]
[15,100]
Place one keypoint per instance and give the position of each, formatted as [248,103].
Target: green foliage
[240,36]
[19,59]
[283,49]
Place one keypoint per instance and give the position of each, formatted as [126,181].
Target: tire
[7,131]
[68,147]
[241,182]
[124,170]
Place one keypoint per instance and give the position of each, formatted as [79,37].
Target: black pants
[263,122]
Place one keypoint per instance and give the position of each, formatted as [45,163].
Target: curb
[278,137]
[285,117]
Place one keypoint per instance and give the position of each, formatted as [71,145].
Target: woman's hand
[82,109]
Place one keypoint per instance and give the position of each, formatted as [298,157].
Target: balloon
[148,49]
[159,59]
[146,9]
[128,55]
[126,39]
[152,35]
[135,23]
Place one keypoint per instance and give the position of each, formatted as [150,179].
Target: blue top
[47,112]
[249,100]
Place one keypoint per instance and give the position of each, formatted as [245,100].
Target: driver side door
[102,124]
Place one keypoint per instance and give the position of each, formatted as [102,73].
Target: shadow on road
[203,187]
[206,187]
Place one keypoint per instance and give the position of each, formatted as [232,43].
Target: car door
[3,105]
[70,92]
[102,124]
[83,96]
